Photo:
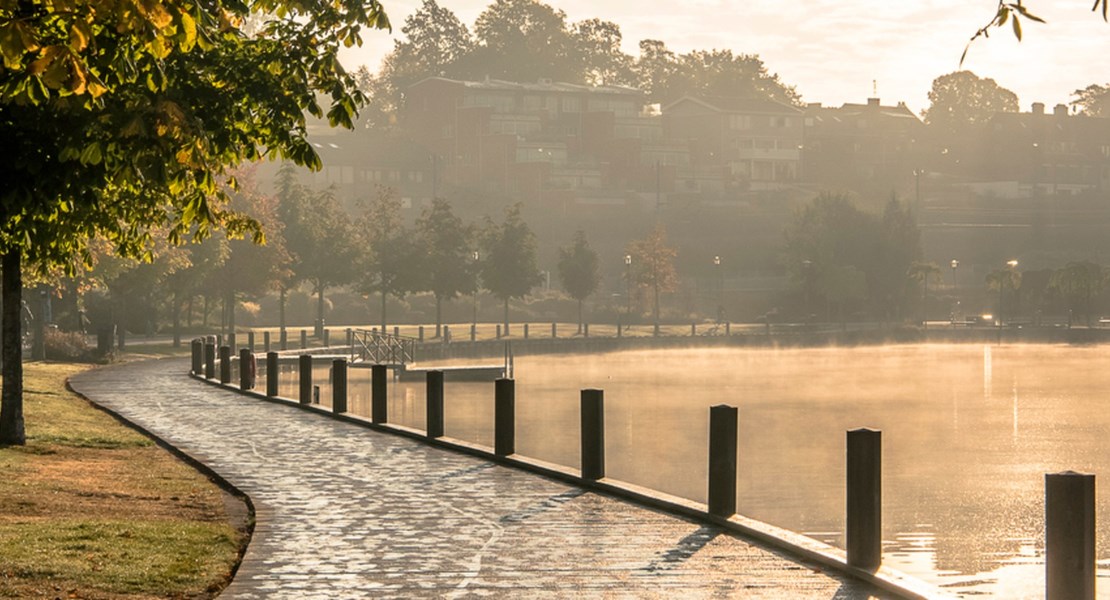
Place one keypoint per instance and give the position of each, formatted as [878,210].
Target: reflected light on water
[963,490]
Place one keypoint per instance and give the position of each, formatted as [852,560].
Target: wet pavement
[346,512]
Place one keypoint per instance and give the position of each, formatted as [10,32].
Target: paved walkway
[345,512]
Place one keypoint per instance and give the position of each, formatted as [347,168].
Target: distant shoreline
[795,339]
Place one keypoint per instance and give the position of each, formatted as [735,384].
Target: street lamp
[807,266]
[720,285]
[955,290]
[1012,264]
[628,289]
[474,322]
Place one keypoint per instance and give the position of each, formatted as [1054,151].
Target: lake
[969,430]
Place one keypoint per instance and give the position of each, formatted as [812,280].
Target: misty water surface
[968,431]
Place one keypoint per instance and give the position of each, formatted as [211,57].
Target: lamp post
[628,290]
[1011,264]
[955,290]
[474,322]
[720,285]
[807,267]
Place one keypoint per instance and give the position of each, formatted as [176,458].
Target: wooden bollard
[434,412]
[231,342]
[350,337]
[197,347]
[525,331]
[246,377]
[498,331]
[473,332]
[283,340]
[420,333]
[1069,536]
[586,330]
[210,361]
[250,341]
[339,385]
[327,338]
[504,417]
[554,331]
[693,329]
[446,334]
[271,374]
[619,326]
[379,403]
[593,434]
[304,339]
[219,340]
[396,331]
[266,341]
[728,328]
[723,420]
[305,379]
[225,364]
[865,494]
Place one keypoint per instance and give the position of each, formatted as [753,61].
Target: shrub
[69,346]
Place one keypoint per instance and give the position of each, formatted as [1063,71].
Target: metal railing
[382,348]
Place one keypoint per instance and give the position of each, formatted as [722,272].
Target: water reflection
[963,485]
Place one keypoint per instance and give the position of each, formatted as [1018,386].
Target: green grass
[55,416]
[162,558]
[92,509]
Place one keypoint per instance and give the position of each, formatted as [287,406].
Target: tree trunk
[320,310]
[385,296]
[11,396]
[281,309]
[579,317]
[439,315]
[176,308]
[506,316]
[204,320]
[655,306]
[189,314]
[230,302]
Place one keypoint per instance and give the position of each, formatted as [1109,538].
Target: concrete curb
[194,462]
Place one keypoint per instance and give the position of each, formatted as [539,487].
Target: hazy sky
[832,50]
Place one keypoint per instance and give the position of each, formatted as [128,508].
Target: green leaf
[91,154]
[189,29]
[1017,28]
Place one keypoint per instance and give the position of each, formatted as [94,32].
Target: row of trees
[315,244]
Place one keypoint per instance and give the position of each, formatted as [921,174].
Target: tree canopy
[1093,100]
[122,118]
[963,98]
[509,258]
[525,40]
[579,270]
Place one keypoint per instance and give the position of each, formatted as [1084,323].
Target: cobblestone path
[345,512]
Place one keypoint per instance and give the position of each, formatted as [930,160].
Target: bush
[68,346]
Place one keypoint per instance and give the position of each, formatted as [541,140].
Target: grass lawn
[92,509]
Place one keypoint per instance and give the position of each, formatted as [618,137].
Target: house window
[740,122]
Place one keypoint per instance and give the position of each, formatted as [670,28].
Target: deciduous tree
[962,98]
[120,118]
[579,270]
[1093,100]
[508,262]
[319,238]
[1079,282]
[653,267]
[393,262]
[447,243]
